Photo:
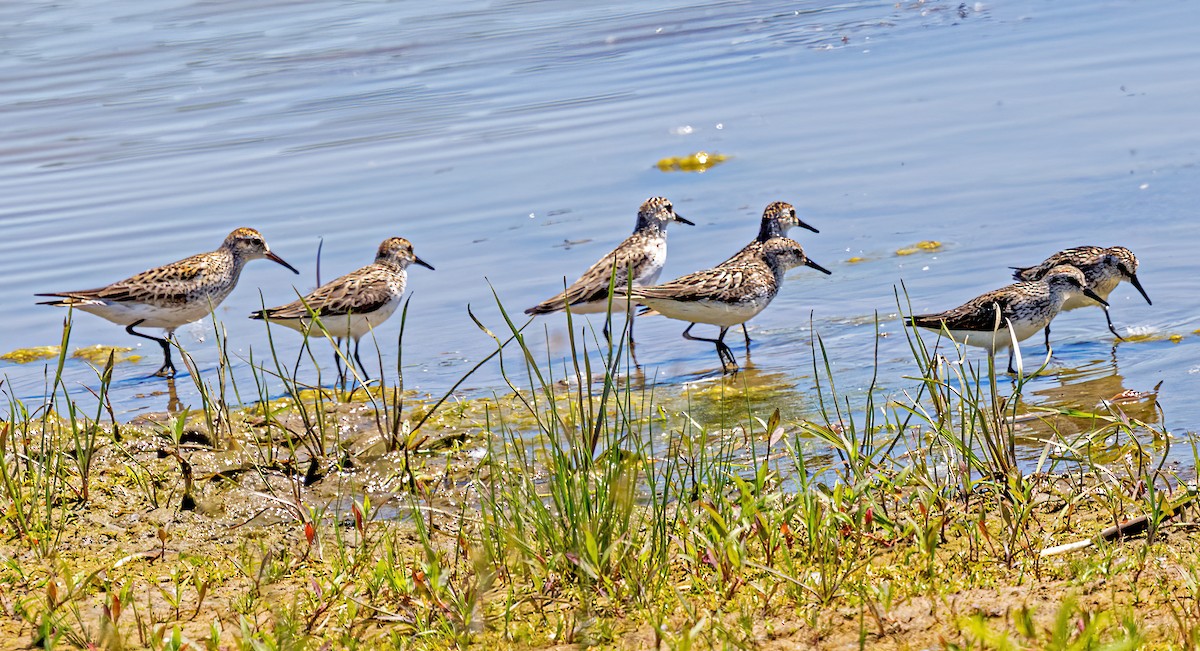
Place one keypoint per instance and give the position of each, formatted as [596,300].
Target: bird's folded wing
[593,284]
[356,293]
[718,283]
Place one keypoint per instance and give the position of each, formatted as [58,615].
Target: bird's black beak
[423,263]
[275,258]
[810,263]
[801,224]
[679,218]
[1138,286]
[1094,296]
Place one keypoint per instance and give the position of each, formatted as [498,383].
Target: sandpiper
[1104,269]
[1024,308]
[351,306]
[171,295]
[728,294]
[640,257]
[777,219]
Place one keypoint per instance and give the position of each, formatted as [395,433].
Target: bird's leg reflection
[629,317]
[174,406]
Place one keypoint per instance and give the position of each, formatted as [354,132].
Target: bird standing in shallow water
[1024,308]
[777,219]
[726,295]
[640,257]
[1104,269]
[352,305]
[174,294]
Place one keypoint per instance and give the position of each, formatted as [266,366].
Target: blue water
[490,134]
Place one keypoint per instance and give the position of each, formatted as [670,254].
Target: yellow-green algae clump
[924,245]
[26,355]
[98,354]
[697,162]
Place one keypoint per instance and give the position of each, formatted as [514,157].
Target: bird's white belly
[994,341]
[716,313]
[353,326]
[150,316]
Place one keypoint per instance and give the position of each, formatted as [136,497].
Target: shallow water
[513,141]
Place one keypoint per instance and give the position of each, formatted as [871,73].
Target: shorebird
[1104,269]
[640,257]
[777,219]
[351,306]
[1023,308]
[726,295]
[174,294]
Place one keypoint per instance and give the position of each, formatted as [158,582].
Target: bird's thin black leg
[1047,337]
[1111,328]
[366,376]
[746,334]
[631,316]
[687,335]
[1010,360]
[728,362]
[337,362]
[168,367]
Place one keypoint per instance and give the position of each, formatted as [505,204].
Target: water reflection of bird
[174,294]
[1104,269]
[993,320]
[1096,388]
[640,257]
[720,398]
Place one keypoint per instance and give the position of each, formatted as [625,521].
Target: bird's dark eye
[793,213]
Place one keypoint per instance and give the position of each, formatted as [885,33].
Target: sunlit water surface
[512,142]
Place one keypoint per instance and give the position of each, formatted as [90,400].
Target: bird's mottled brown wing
[169,284]
[1074,256]
[593,284]
[359,292]
[728,282]
[978,313]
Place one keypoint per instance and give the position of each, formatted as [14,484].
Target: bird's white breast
[655,260]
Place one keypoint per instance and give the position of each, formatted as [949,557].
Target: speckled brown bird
[1104,269]
[354,304]
[174,294]
[726,295]
[640,257]
[777,219]
[1023,308]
